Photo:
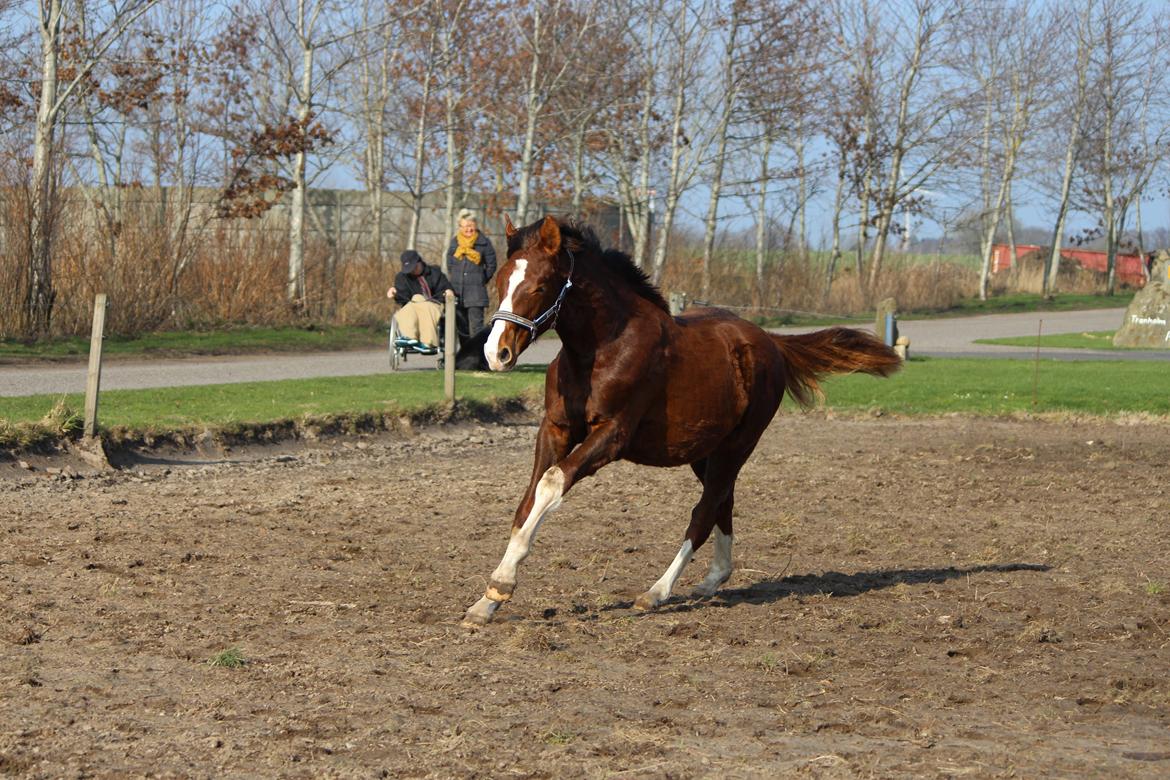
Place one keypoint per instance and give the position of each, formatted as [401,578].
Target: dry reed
[216,273]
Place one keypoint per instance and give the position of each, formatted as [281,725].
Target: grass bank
[1097,339]
[1015,303]
[268,410]
[1005,387]
[230,341]
[248,409]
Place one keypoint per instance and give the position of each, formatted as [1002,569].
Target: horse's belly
[686,426]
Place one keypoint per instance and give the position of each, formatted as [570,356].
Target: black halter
[549,314]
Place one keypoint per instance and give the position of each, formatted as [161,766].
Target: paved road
[955,337]
[943,337]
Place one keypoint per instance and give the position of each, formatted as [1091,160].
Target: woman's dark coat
[468,279]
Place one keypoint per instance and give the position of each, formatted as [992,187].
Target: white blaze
[491,349]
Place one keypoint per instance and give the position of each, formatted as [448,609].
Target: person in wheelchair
[419,289]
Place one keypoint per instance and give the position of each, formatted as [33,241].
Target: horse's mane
[580,239]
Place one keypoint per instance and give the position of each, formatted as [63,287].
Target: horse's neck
[596,314]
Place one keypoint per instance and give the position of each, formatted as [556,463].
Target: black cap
[410,260]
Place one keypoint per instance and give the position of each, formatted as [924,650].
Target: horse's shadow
[830,583]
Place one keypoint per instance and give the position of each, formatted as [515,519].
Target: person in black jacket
[419,289]
[471,263]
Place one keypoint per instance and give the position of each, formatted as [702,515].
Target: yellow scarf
[466,248]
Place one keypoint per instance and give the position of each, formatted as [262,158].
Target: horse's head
[531,284]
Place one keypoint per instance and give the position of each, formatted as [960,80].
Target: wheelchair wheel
[395,354]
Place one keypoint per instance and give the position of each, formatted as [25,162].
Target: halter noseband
[548,314]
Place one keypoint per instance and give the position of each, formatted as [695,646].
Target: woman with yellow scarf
[471,263]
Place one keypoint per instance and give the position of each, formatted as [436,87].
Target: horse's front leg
[545,491]
[543,495]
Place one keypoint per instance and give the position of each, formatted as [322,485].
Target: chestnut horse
[632,382]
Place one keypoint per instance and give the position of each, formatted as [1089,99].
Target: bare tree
[920,126]
[781,79]
[633,135]
[380,46]
[304,41]
[728,101]
[852,90]
[106,28]
[1012,76]
[1072,116]
[1126,145]
[554,36]
[690,135]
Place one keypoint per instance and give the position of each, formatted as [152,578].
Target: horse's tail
[810,357]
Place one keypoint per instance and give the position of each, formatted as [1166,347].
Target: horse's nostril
[505,354]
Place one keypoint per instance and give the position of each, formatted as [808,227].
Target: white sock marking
[720,566]
[491,349]
[549,491]
[660,591]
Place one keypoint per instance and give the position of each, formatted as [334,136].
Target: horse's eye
[540,289]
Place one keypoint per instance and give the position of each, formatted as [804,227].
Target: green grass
[995,387]
[213,342]
[1027,302]
[924,386]
[1015,303]
[176,408]
[1098,339]
[232,658]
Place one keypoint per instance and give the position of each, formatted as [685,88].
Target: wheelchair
[400,348]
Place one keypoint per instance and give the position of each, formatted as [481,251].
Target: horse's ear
[550,235]
[509,229]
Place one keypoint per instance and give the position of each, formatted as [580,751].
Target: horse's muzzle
[503,348]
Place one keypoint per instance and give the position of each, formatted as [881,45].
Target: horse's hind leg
[714,507]
[720,570]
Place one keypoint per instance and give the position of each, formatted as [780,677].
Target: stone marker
[1147,320]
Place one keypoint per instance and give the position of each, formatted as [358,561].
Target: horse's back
[701,328]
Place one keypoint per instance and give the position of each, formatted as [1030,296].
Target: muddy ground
[941,597]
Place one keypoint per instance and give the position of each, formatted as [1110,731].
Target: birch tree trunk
[39,306]
[675,172]
[762,218]
[632,162]
[727,106]
[1080,99]
[835,226]
[889,199]
[1110,205]
[297,204]
[420,138]
[454,188]
[532,104]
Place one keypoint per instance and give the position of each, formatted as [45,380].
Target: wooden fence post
[94,379]
[449,348]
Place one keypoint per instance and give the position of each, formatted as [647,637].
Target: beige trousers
[419,319]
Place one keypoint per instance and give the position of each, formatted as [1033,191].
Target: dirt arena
[940,597]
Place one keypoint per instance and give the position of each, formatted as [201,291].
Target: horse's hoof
[645,602]
[705,589]
[481,613]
